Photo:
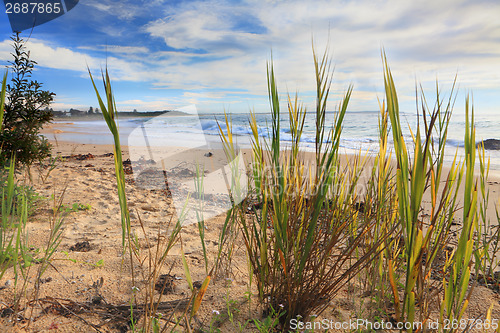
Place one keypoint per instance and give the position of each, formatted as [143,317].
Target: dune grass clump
[13,217]
[424,269]
[423,241]
[311,231]
[18,202]
[302,240]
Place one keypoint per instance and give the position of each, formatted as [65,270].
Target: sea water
[360,131]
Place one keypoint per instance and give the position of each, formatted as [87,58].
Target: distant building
[76,113]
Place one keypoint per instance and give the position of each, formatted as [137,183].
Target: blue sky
[165,54]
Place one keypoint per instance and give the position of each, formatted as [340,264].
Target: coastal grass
[487,249]
[109,113]
[17,205]
[421,242]
[2,99]
[426,265]
[380,204]
[14,252]
[311,232]
[302,240]
[457,291]
[152,262]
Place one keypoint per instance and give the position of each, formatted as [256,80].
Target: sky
[168,54]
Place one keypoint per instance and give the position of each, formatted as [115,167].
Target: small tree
[26,111]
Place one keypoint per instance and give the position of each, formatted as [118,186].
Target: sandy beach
[90,183]
[91,248]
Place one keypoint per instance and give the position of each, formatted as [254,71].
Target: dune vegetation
[416,242]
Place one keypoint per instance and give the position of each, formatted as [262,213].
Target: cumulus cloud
[125,10]
[222,47]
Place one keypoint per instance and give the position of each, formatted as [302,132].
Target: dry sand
[91,182]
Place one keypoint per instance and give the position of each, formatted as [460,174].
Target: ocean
[360,131]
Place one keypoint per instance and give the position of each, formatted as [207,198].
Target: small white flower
[135,289]
[216,312]
[281,306]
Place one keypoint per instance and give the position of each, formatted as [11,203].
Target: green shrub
[25,111]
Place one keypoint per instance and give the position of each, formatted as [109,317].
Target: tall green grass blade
[8,252]
[2,100]
[109,113]
[187,273]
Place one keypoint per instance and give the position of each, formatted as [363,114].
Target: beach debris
[46,280]
[149,208]
[83,157]
[96,299]
[254,205]
[489,281]
[89,165]
[81,247]
[127,167]
[165,284]
[8,284]
[209,154]
[128,170]
[6,312]
[79,157]
[54,326]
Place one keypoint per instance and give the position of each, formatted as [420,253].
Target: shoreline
[77,131]
[181,156]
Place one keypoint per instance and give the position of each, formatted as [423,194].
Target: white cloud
[117,49]
[125,10]
[62,58]
[224,46]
